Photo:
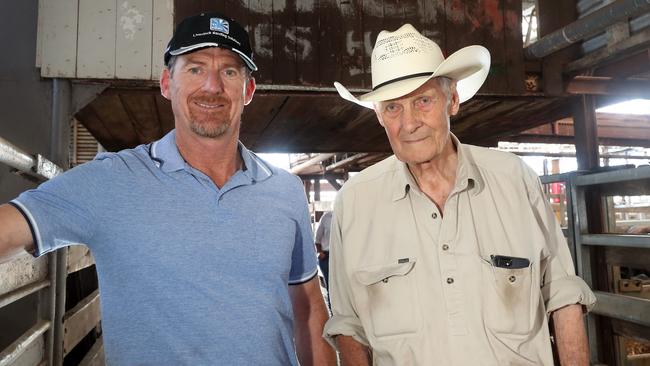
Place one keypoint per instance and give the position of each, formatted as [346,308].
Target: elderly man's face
[417,124]
[208,90]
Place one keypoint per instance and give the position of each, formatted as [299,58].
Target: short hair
[445,84]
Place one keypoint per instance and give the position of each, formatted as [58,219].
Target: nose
[410,120]
[213,82]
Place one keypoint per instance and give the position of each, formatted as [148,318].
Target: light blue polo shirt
[189,274]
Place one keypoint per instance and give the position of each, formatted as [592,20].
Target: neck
[218,158]
[436,177]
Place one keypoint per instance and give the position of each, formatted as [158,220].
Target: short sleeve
[303,258]
[560,285]
[344,320]
[61,210]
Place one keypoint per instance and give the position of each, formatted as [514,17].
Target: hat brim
[469,66]
[249,63]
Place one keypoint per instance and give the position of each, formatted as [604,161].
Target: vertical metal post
[59,153]
[585,129]
[316,189]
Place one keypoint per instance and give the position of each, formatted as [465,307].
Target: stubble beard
[211,125]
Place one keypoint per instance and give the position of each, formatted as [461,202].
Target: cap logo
[219,25]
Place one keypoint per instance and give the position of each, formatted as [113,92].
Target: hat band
[402,78]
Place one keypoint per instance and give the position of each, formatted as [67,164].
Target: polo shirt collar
[166,156]
[467,174]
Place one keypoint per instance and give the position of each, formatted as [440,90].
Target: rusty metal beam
[586,26]
[313,161]
[595,85]
[345,162]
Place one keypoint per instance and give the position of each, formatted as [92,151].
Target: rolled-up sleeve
[344,320]
[560,285]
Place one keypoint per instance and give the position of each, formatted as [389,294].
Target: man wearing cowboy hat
[445,253]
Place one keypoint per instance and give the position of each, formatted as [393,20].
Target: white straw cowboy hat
[404,60]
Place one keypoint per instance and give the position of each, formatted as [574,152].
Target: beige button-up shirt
[418,285]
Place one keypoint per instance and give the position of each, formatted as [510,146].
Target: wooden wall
[103,39]
[317,42]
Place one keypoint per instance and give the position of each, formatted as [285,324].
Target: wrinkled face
[208,90]
[417,124]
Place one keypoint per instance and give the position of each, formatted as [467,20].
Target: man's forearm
[570,336]
[353,353]
[310,316]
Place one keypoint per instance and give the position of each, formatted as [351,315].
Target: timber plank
[80,320]
[96,55]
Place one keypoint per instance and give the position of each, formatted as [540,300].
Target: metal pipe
[586,27]
[315,160]
[15,157]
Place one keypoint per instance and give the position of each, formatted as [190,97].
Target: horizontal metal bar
[37,165]
[80,320]
[15,157]
[299,88]
[617,240]
[628,308]
[615,176]
[556,178]
[18,347]
[19,293]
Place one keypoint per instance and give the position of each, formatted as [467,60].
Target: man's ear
[454,103]
[249,90]
[164,83]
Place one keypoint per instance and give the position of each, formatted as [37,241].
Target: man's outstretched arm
[310,314]
[15,235]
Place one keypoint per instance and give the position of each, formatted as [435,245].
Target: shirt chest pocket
[511,301]
[391,297]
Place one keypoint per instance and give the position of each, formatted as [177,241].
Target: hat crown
[401,54]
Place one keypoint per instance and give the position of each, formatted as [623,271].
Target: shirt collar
[166,156]
[467,174]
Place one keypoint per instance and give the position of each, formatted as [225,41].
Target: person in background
[322,241]
[446,253]
[204,251]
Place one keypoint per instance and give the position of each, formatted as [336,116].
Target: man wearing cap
[204,252]
[446,253]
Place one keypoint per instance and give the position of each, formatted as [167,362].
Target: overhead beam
[345,162]
[628,45]
[315,160]
[586,26]
[596,85]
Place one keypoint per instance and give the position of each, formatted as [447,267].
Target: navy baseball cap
[210,30]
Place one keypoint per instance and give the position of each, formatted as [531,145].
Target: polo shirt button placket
[434,215]
[450,280]
[445,247]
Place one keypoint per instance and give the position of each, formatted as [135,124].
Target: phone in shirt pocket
[391,296]
[510,298]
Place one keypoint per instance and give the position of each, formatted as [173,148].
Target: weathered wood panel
[95,356]
[96,45]
[28,349]
[79,257]
[133,43]
[22,271]
[318,42]
[79,320]
[162,29]
[59,37]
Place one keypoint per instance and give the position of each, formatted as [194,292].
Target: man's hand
[310,315]
[15,235]
[353,353]
[570,336]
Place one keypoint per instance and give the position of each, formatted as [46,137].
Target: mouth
[412,140]
[206,105]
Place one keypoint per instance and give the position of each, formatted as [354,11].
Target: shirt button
[434,215]
[445,247]
[450,280]
[512,279]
